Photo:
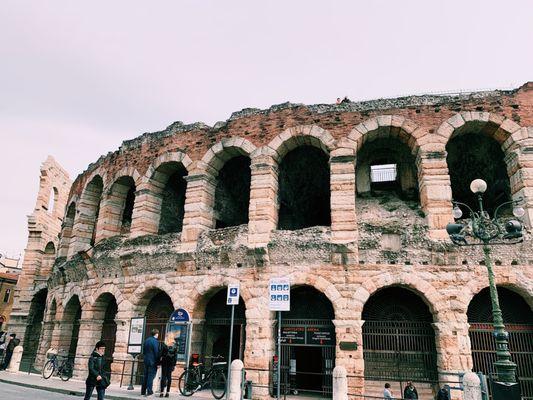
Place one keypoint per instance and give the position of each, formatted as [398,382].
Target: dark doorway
[309,367]
[171,176]
[518,320]
[33,330]
[158,313]
[217,327]
[394,317]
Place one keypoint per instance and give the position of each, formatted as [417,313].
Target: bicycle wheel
[48,369]
[66,371]
[188,382]
[218,384]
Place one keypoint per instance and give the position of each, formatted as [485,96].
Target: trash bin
[248,390]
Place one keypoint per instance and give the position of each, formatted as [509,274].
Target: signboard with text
[136,336]
[308,335]
[279,293]
[232,298]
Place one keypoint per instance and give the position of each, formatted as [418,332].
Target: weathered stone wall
[372,243]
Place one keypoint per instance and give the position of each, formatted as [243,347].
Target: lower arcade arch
[214,332]
[398,338]
[308,342]
[34,327]
[104,312]
[158,312]
[70,328]
[518,320]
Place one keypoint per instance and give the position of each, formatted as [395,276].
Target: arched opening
[120,202]
[216,331]
[66,230]
[52,200]
[386,166]
[308,342]
[232,193]
[169,184]
[90,210]
[70,327]
[473,154]
[47,260]
[398,339]
[105,310]
[518,320]
[158,312]
[33,331]
[304,189]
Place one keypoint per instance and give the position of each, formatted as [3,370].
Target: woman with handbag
[97,378]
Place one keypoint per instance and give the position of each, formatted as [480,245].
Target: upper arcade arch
[223,151]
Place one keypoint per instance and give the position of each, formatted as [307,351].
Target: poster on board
[136,336]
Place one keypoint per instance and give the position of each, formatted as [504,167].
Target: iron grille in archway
[518,319]
[158,313]
[398,339]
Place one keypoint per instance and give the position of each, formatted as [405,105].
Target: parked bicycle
[60,365]
[197,377]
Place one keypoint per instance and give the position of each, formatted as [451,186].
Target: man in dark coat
[443,395]
[410,391]
[96,378]
[14,342]
[151,358]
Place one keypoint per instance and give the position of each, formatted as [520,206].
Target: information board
[232,298]
[136,336]
[320,336]
[279,292]
[292,335]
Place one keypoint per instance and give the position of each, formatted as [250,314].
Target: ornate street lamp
[482,230]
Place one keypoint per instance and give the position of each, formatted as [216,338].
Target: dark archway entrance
[217,327]
[398,339]
[33,330]
[157,314]
[518,319]
[105,310]
[70,328]
[308,342]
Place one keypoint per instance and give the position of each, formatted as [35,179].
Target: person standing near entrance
[97,377]
[168,362]
[151,358]
[410,391]
[387,394]
[14,342]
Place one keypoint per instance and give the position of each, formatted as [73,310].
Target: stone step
[374,389]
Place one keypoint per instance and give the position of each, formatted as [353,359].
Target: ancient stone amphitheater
[348,201]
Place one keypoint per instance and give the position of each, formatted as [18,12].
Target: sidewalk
[77,388]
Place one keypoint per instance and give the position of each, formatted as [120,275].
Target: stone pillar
[340,383]
[90,332]
[520,169]
[259,351]
[342,184]
[472,387]
[454,353]
[352,360]
[263,209]
[235,383]
[14,364]
[110,219]
[435,191]
[121,351]
[146,212]
[44,344]
[199,202]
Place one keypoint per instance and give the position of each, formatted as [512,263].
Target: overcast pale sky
[77,78]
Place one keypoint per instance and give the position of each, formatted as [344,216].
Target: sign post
[178,334]
[135,341]
[280,300]
[232,299]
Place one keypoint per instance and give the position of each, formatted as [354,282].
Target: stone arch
[69,295]
[123,304]
[67,227]
[171,156]
[118,203]
[70,325]
[86,220]
[301,135]
[428,294]
[34,329]
[200,295]
[221,152]
[126,171]
[506,132]
[140,298]
[49,255]
[103,312]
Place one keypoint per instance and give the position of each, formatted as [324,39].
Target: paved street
[14,392]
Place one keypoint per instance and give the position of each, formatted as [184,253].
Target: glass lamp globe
[518,211]
[478,186]
[456,212]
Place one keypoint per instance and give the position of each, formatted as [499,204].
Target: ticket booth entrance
[307,343]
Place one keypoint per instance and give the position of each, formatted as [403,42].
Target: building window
[6,295]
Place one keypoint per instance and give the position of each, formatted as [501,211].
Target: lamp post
[486,231]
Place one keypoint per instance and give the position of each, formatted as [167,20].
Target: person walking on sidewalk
[151,358]
[168,362]
[97,377]
[14,342]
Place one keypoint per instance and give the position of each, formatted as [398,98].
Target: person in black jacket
[410,391]
[13,342]
[168,362]
[97,377]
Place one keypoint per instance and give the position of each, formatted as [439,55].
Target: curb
[59,390]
